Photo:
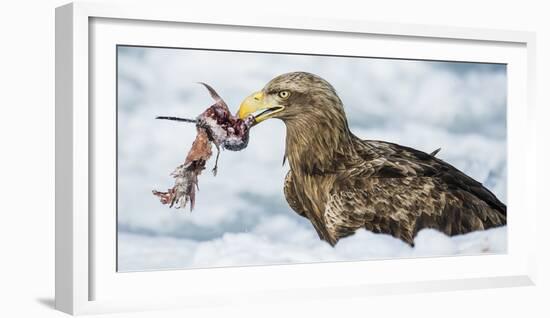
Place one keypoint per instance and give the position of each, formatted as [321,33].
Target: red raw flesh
[215,125]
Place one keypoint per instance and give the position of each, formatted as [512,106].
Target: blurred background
[241,216]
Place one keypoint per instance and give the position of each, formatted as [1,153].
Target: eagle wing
[400,190]
[385,159]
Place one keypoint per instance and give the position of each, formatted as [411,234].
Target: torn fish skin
[216,125]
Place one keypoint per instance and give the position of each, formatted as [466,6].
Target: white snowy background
[241,216]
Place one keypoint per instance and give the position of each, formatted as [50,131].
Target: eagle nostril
[258,96]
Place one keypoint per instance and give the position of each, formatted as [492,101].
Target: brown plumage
[342,183]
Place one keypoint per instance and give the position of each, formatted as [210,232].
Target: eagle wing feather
[399,190]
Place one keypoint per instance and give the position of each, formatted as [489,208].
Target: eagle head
[297,97]
[317,129]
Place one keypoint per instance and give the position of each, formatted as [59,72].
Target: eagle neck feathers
[318,144]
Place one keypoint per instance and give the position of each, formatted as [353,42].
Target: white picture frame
[85,279]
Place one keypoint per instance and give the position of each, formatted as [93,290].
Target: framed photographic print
[263,158]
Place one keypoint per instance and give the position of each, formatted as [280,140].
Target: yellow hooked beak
[258,102]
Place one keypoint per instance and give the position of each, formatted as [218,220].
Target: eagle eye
[284,94]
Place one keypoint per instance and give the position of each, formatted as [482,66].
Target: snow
[264,245]
[241,216]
